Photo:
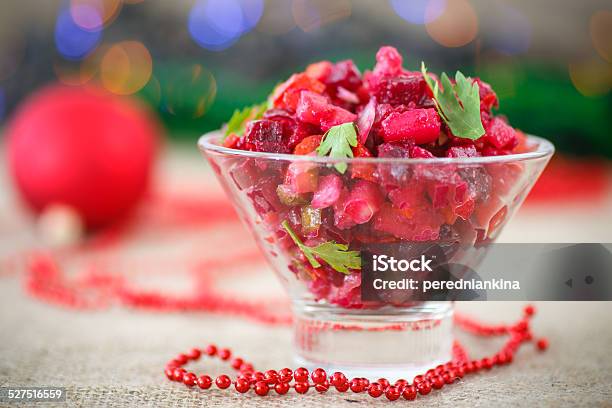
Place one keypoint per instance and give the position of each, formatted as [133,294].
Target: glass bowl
[290,202]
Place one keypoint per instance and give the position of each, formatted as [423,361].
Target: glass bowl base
[390,342]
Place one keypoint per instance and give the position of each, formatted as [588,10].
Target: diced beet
[365,171]
[269,136]
[363,201]
[418,125]
[408,197]
[484,212]
[302,130]
[478,182]
[505,177]
[341,219]
[287,94]
[344,74]
[466,209]
[462,151]
[394,175]
[393,221]
[277,114]
[388,62]
[302,176]
[263,196]
[348,294]
[365,121]
[394,150]
[420,153]
[316,109]
[328,191]
[244,174]
[488,98]
[500,135]
[401,90]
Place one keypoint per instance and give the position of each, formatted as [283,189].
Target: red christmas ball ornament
[82,148]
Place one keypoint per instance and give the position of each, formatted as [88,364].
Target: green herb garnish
[239,119]
[335,255]
[458,105]
[337,143]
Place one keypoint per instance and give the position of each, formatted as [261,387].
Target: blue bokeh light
[512,32]
[72,41]
[418,11]
[217,24]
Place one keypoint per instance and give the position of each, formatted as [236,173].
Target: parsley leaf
[335,255]
[337,143]
[458,105]
[239,119]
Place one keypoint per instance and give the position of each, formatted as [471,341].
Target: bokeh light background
[194,61]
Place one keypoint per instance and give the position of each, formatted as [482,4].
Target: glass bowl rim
[545,149]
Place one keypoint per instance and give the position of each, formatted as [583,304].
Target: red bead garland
[434,379]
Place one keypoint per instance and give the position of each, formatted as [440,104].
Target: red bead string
[301,381]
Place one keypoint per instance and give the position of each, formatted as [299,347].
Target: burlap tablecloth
[115,358]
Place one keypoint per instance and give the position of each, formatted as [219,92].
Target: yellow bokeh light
[126,67]
[75,73]
[591,77]
[600,28]
[191,91]
[456,26]
[105,12]
[277,18]
[310,15]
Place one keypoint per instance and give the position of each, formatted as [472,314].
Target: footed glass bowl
[290,202]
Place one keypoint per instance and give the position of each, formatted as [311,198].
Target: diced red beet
[478,182]
[408,197]
[488,98]
[263,196]
[269,136]
[500,135]
[344,74]
[401,90]
[328,191]
[316,109]
[394,175]
[363,201]
[420,153]
[365,121]
[462,151]
[394,221]
[388,62]
[418,125]
[365,171]
[302,176]
[244,174]
[286,95]
[341,219]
